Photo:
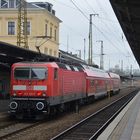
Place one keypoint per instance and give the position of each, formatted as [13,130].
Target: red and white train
[43,87]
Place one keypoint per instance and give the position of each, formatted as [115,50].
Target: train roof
[51,64]
[114,75]
[91,71]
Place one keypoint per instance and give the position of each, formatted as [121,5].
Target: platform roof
[128,14]
[10,54]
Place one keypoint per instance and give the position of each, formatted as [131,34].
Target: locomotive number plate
[29,87]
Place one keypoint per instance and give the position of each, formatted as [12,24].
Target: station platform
[126,126]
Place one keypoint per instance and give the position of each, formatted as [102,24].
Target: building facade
[42,25]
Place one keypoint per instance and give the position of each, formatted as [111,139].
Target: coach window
[55,73]
[92,83]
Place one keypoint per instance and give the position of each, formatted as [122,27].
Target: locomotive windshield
[30,73]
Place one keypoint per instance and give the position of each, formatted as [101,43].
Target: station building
[41,21]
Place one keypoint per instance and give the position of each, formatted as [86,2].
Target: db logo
[29,87]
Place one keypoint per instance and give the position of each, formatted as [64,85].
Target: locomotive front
[28,89]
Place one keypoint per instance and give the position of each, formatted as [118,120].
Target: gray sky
[75,27]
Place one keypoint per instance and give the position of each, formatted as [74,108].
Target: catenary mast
[22,38]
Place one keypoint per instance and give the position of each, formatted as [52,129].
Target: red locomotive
[43,87]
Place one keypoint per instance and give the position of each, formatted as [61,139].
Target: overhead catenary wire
[81,12]
[79,8]
[62,3]
[73,2]
[106,25]
[106,14]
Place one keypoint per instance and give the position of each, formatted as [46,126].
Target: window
[38,73]
[12,4]
[46,50]
[92,83]
[11,28]
[55,73]
[46,29]
[28,28]
[21,73]
[54,53]
[55,34]
[50,31]
[30,73]
[50,52]
[4,4]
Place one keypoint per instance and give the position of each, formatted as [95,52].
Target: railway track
[91,127]
[17,130]
[6,123]
[3,115]
[11,130]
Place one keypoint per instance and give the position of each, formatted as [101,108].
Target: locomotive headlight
[40,105]
[44,94]
[14,94]
[13,105]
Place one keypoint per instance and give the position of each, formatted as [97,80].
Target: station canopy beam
[128,14]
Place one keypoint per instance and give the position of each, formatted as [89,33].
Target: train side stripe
[19,87]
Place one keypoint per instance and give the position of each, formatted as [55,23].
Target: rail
[92,126]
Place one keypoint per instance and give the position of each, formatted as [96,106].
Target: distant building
[41,21]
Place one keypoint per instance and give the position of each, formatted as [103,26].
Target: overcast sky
[75,27]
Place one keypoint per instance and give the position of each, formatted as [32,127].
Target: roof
[30,5]
[35,64]
[128,14]
[10,54]
[114,75]
[95,72]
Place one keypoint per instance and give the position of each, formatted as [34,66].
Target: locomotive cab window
[30,73]
[38,73]
[21,73]
[55,73]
